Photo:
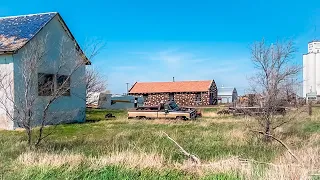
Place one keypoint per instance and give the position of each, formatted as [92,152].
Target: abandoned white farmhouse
[46,38]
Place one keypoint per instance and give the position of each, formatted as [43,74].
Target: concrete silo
[311,69]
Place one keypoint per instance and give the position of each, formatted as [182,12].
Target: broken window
[49,83]
[45,84]
[63,84]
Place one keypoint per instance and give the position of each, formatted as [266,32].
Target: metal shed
[227,95]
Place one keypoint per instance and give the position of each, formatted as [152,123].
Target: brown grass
[49,159]
[130,159]
[288,168]
[127,159]
[285,167]
[210,114]
[237,136]
[226,165]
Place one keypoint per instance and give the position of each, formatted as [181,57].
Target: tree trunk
[267,137]
[29,133]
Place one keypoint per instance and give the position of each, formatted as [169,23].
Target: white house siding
[6,68]
[67,108]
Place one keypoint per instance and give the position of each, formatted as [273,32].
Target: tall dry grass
[127,159]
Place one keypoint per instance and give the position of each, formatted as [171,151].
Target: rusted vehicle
[168,110]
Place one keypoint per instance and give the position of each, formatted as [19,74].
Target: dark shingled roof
[16,31]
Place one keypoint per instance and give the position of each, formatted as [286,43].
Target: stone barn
[185,93]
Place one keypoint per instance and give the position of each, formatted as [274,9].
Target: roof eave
[88,62]
[6,52]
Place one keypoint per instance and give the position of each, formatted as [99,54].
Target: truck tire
[181,118]
[141,117]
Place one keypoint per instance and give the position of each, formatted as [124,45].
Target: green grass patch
[110,172]
[99,114]
[312,127]
[208,138]
[213,109]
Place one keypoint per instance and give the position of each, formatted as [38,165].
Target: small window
[145,96]
[45,84]
[63,85]
[198,97]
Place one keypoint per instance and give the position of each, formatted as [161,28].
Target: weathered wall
[67,108]
[182,99]
[6,75]
[213,92]
[155,99]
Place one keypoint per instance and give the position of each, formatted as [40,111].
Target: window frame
[55,78]
[67,77]
[44,91]
[198,97]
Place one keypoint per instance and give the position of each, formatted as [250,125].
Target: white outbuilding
[227,95]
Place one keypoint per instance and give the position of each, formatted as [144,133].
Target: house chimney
[173,79]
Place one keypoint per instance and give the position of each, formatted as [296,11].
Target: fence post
[310,108]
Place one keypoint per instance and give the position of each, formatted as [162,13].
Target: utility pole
[127,88]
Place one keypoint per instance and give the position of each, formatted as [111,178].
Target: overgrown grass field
[137,149]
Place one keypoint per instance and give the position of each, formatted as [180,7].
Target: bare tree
[35,91]
[94,82]
[274,70]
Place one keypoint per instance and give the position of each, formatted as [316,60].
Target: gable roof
[166,87]
[16,31]
[226,91]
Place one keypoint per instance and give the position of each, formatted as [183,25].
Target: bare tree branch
[190,156]
[282,143]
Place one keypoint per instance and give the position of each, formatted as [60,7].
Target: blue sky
[190,40]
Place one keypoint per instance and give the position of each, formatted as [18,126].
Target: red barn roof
[167,87]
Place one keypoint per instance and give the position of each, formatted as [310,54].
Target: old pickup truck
[168,110]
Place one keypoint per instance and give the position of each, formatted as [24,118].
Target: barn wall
[155,99]
[66,108]
[214,91]
[182,99]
